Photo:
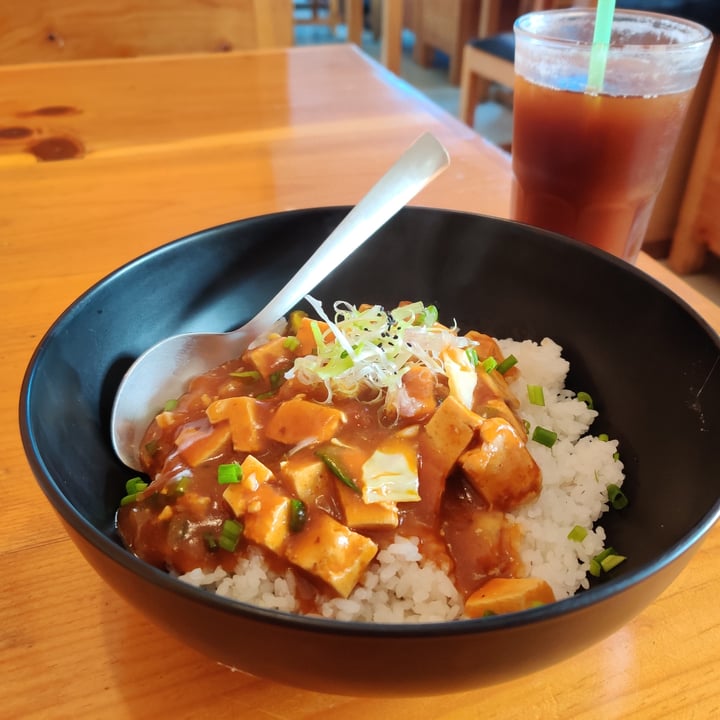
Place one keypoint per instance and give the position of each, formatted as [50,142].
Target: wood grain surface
[158,148]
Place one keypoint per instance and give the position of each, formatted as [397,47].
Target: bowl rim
[114,551]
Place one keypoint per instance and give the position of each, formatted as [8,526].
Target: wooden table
[158,148]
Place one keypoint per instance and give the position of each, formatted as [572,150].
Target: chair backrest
[47,30]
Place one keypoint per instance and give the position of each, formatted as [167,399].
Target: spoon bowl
[162,372]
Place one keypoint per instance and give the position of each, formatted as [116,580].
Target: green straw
[600,45]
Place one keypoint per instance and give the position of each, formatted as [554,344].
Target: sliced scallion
[577,534]
[135,485]
[230,535]
[585,397]
[472,356]
[291,343]
[611,561]
[489,364]
[544,436]
[618,499]
[229,473]
[506,364]
[536,395]
[603,437]
[428,316]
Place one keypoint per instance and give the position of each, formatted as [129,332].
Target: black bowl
[649,361]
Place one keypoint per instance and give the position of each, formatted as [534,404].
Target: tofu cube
[299,420]
[197,446]
[361,515]
[308,477]
[504,595]
[254,474]
[267,518]
[450,430]
[331,552]
[502,469]
[246,421]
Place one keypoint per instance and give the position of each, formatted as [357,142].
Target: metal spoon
[164,370]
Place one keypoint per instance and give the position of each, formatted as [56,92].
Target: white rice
[401,586]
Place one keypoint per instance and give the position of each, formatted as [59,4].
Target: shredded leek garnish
[371,349]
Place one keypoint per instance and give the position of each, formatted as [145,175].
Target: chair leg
[473,89]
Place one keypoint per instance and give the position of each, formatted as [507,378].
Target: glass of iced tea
[588,161]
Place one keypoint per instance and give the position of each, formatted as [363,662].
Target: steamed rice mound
[401,586]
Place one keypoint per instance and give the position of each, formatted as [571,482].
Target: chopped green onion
[611,561]
[605,553]
[298,515]
[489,613]
[616,456]
[246,374]
[291,343]
[210,541]
[428,316]
[338,471]
[526,425]
[544,436]
[131,498]
[170,405]
[577,534]
[230,535]
[506,364]
[585,397]
[152,447]
[489,364]
[618,499]
[229,473]
[605,561]
[536,395]
[603,437]
[472,356]
[135,485]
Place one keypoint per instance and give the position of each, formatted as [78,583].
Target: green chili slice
[337,470]
[298,515]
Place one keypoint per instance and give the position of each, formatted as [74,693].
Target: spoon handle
[423,161]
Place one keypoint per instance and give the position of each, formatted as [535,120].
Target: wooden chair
[490,57]
[48,30]
[445,25]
